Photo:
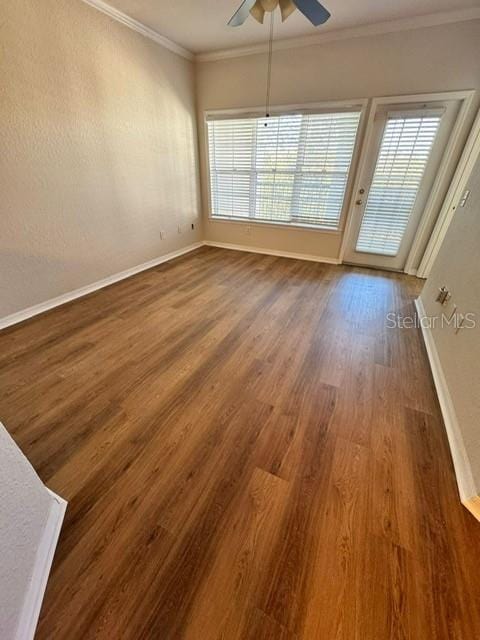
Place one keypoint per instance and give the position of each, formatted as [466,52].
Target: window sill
[247,222]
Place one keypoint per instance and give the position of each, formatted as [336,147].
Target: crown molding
[141,28]
[379,28]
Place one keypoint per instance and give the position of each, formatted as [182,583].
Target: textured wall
[424,60]
[458,267]
[24,508]
[98,150]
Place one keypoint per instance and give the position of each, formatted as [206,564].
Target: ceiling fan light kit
[287,7]
[258,12]
[311,9]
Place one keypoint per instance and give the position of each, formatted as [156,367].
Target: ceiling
[201,25]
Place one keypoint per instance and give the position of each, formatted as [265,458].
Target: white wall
[98,151]
[458,267]
[25,507]
[443,58]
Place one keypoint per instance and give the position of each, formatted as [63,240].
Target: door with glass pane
[401,164]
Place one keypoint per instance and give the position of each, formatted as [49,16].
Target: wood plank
[249,453]
[247,542]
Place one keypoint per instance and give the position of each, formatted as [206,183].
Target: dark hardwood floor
[248,453]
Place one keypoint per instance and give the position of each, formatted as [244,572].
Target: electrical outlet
[179,228]
[248,230]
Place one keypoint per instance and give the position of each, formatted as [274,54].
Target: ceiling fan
[311,9]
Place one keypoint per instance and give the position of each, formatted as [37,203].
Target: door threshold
[372,267]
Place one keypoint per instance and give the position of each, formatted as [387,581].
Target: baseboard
[466,485]
[25,314]
[30,312]
[43,563]
[270,252]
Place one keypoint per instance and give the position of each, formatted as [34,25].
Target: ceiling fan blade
[241,14]
[287,7]
[313,10]
[258,12]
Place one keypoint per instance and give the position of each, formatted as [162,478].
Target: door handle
[359,202]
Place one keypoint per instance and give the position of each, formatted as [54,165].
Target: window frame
[306,108]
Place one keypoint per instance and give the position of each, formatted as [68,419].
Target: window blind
[288,169]
[404,153]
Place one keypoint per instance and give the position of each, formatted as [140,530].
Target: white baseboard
[466,485]
[270,252]
[43,563]
[25,314]
[30,312]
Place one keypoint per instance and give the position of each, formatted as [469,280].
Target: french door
[402,160]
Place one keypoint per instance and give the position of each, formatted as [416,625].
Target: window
[288,169]
[404,153]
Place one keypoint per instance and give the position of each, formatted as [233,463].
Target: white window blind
[404,154]
[292,171]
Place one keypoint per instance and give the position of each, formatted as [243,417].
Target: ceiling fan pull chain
[269,72]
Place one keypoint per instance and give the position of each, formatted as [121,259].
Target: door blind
[289,169]
[402,160]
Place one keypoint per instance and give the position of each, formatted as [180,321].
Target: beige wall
[98,150]
[441,58]
[458,267]
[99,136]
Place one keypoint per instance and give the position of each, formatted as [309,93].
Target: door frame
[457,188]
[446,166]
